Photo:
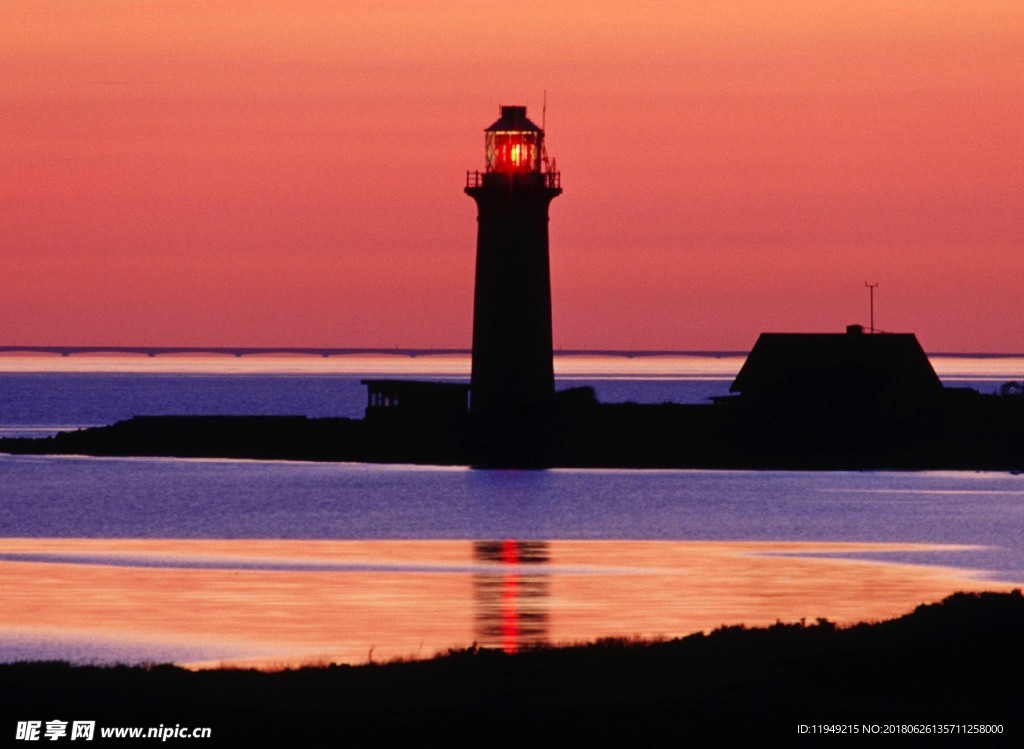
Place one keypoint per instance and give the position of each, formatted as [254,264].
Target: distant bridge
[221,350]
[323,352]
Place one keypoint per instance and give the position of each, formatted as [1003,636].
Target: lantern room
[514,144]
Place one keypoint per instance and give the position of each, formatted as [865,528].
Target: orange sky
[265,173]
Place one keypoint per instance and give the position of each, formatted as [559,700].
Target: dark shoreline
[961,430]
[947,664]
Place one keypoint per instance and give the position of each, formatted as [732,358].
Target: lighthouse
[512,371]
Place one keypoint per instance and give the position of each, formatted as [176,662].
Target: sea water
[167,559]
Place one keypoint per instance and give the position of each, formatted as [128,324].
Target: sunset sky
[266,173]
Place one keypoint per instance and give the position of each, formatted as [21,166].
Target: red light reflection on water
[509,596]
[275,603]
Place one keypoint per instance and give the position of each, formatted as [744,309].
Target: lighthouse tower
[512,345]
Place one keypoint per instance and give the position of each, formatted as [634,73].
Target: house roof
[853,367]
[513,119]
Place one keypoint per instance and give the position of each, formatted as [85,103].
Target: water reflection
[510,602]
[272,603]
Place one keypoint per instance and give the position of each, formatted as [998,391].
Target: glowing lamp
[513,143]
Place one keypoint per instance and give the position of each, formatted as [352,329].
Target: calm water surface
[270,562]
[174,498]
[122,559]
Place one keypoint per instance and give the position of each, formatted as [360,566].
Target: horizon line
[411,352]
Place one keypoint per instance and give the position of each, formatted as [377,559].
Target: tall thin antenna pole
[871,292]
[543,131]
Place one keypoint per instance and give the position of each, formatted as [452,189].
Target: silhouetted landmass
[804,401]
[959,429]
[954,663]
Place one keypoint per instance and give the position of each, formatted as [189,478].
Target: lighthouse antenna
[546,165]
[871,293]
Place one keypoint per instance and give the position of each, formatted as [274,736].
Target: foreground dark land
[957,663]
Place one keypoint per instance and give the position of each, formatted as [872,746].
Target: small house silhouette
[837,372]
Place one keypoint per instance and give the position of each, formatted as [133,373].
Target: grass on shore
[955,662]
